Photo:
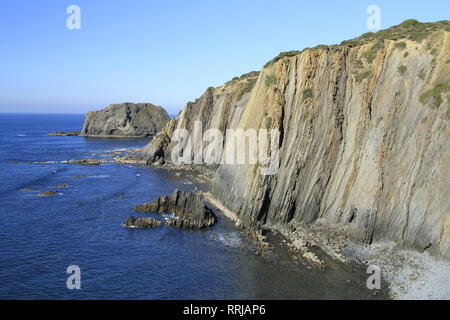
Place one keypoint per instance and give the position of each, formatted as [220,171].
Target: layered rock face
[125,120]
[363,143]
[218,108]
[364,138]
[189,208]
[142,223]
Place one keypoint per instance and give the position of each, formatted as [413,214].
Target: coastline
[409,274]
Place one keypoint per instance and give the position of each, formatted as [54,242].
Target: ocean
[82,225]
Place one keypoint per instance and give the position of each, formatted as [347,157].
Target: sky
[165,52]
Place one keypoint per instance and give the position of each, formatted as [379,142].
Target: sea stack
[125,120]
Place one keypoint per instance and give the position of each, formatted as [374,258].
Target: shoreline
[409,274]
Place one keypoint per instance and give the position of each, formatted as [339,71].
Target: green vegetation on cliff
[409,29]
[247,88]
[435,94]
[271,80]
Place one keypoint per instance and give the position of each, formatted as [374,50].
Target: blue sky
[164,52]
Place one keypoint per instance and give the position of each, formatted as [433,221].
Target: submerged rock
[189,208]
[47,193]
[64,133]
[87,162]
[125,120]
[142,223]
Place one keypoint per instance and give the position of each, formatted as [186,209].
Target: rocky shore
[142,223]
[407,274]
[189,208]
[363,174]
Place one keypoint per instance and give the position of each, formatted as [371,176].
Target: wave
[168,216]
[99,176]
[229,239]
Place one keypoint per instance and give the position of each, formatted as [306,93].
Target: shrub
[307,93]
[247,88]
[409,29]
[402,70]
[435,94]
[371,54]
[250,74]
[400,45]
[406,54]
[361,76]
[281,55]
[271,80]
[422,75]
[359,64]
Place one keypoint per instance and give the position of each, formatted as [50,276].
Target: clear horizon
[166,53]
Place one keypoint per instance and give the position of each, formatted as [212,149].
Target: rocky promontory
[363,138]
[189,208]
[125,120]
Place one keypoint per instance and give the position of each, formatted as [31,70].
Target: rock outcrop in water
[364,137]
[64,133]
[125,120]
[142,223]
[189,208]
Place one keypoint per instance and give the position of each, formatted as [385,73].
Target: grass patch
[247,88]
[251,74]
[400,45]
[361,76]
[409,29]
[359,64]
[422,75]
[402,69]
[424,119]
[435,94]
[271,80]
[371,54]
[307,93]
[281,55]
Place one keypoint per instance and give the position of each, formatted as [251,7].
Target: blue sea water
[81,225]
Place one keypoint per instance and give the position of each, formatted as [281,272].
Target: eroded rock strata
[218,108]
[364,138]
[189,208]
[142,223]
[125,120]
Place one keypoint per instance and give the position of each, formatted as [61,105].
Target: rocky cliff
[218,108]
[364,137]
[125,120]
[189,208]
